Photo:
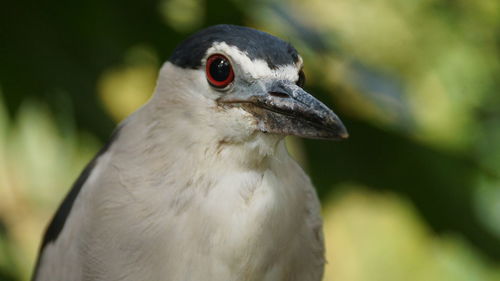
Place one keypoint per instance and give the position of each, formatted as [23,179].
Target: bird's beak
[281,107]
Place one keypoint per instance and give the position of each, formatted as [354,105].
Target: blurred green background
[414,194]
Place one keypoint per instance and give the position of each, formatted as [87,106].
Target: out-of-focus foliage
[414,194]
[123,89]
[38,162]
[379,237]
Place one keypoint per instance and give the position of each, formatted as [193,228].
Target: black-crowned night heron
[197,184]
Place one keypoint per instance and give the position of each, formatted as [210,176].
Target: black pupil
[220,69]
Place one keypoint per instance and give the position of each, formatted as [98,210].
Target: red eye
[219,71]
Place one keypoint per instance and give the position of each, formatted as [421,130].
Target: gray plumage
[197,184]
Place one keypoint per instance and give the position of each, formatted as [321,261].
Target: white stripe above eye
[256,68]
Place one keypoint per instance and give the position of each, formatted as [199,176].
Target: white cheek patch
[256,68]
[259,68]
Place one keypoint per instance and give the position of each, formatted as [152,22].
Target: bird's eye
[302,79]
[219,71]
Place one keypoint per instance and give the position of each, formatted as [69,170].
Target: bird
[197,184]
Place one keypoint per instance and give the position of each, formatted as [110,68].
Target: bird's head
[241,82]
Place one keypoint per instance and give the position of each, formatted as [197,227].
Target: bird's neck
[180,143]
[254,152]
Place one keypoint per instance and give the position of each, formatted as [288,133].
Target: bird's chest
[253,205]
[243,225]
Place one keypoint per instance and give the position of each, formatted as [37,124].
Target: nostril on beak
[279,94]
